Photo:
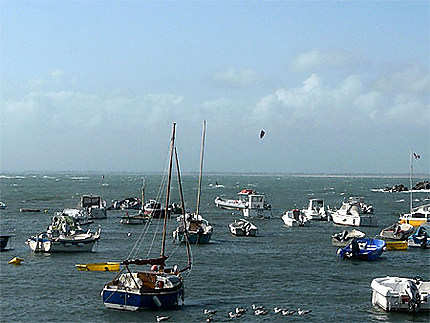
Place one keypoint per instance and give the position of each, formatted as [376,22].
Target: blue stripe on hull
[131,301]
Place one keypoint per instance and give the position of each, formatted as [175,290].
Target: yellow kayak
[16,261]
[100,266]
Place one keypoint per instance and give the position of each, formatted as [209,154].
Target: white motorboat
[401,294]
[243,227]
[295,218]
[235,204]
[95,206]
[353,213]
[63,235]
[418,216]
[257,207]
[344,238]
[81,216]
[316,210]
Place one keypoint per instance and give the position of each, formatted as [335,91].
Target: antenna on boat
[202,151]
[183,213]
[169,179]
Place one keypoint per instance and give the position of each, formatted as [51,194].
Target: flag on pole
[417,156]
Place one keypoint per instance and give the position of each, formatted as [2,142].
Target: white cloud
[315,59]
[239,78]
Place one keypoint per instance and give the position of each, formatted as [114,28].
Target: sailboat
[158,287]
[199,230]
[140,217]
[418,215]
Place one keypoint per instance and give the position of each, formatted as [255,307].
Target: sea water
[281,267]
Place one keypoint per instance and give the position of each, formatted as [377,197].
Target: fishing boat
[235,204]
[344,238]
[94,205]
[63,235]
[257,207]
[99,266]
[401,294]
[198,229]
[243,227]
[295,218]
[316,210]
[352,213]
[362,249]
[4,240]
[158,287]
[421,237]
[418,215]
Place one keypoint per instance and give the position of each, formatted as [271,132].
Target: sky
[338,86]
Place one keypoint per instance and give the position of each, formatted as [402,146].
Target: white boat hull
[390,294]
[230,204]
[290,221]
[363,220]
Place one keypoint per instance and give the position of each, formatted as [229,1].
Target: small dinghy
[243,227]
[100,266]
[397,231]
[401,294]
[344,238]
[362,249]
[421,237]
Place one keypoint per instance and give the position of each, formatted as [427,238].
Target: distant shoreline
[324,175]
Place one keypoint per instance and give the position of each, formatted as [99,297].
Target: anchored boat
[401,294]
[362,249]
[152,288]
[243,227]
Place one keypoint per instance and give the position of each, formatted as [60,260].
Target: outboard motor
[411,290]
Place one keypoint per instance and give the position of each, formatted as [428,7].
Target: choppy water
[284,267]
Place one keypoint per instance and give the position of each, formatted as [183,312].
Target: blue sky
[338,86]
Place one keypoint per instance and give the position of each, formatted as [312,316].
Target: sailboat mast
[183,212]
[143,195]
[169,179]
[202,151]
[410,179]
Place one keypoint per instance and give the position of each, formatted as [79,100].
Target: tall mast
[202,151]
[169,179]
[410,179]
[143,194]
[183,213]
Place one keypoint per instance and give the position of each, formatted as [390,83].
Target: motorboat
[235,204]
[396,245]
[362,249]
[295,218]
[99,266]
[4,241]
[397,231]
[154,209]
[351,213]
[421,237]
[365,208]
[243,227]
[63,235]
[158,287]
[130,203]
[316,210]
[344,238]
[401,294]
[257,207]
[94,205]
[3,205]
[418,216]
[198,229]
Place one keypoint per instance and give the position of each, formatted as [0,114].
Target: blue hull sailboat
[156,288]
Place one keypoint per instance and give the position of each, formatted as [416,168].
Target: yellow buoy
[16,261]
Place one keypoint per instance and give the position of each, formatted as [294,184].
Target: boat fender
[156,301]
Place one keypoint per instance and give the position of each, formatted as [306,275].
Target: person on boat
[355,248]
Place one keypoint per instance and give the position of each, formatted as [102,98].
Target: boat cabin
[91,201]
